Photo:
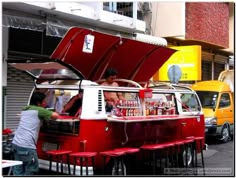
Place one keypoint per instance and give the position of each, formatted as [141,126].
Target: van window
[224,100]
[133,105]
[52,126]
[189,102]
[56,100]
[129,105]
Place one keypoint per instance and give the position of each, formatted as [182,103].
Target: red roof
[132,59]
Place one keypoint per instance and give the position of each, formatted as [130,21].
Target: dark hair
[110,72]
[37,98]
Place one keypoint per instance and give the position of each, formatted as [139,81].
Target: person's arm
[106,96]
[120,96]
[46,114]
[54,116]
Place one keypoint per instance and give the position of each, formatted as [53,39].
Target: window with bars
[122,8]
[29,41]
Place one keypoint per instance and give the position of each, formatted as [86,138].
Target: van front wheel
[115,169]
[225,135]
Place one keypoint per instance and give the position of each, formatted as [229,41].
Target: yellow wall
[188,58]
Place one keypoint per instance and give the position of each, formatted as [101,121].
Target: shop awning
[132,59]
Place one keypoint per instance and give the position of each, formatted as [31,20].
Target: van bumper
[212,130]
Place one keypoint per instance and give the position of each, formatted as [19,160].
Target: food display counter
[67,119]
[148,118]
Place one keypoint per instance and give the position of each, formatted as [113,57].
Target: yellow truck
[217,99]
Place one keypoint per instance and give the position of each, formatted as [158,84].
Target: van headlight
[210,121]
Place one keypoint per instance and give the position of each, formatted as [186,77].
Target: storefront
[214,58]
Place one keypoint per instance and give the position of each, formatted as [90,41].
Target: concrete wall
[168,19]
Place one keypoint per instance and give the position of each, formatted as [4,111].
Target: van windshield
[208,98]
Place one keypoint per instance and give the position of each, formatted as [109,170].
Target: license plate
[206,129]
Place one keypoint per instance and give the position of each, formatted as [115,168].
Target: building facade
[208,24]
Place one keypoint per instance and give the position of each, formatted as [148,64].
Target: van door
[224,111]
[47,71]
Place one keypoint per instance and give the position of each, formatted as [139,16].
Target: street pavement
[219,158]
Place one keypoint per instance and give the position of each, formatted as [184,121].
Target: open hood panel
[132,59]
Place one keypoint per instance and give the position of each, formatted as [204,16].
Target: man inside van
[74,106]
[26,135]
[111,98]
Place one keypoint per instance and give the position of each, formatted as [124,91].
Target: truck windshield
[208,99]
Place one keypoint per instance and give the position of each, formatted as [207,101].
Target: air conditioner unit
[150,39]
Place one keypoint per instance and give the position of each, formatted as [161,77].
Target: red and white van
[161,113]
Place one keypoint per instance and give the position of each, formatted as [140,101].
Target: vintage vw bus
[169,113]
[156,114]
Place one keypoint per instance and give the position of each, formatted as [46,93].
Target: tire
[225,134]
[110,169]
[119,172]
[182,160]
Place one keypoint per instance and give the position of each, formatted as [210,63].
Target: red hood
[132,59]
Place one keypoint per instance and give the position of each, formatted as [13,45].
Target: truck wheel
[225,135]
[119,170]
[189,158]
[110,169]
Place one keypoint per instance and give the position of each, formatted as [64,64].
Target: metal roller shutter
[209,59]
[206,70]
[219,67]
[19,87]
[23,43]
